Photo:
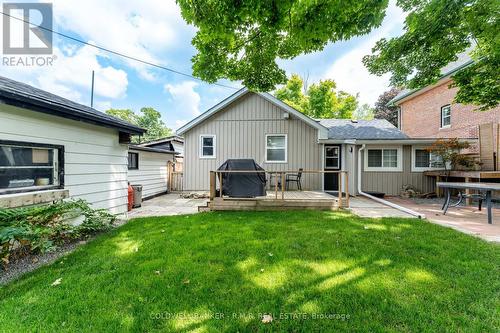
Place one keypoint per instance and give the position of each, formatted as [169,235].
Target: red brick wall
[421,115]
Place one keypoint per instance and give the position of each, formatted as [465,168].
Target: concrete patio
[169,204]
[464,219]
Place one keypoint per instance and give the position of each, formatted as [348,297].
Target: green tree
[320,100]
[149,119]
[124,114]
[241,40]
[364,112]
[292,93]
[436,31]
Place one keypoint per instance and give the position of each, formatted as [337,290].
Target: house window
[425,160]
[445,116]
[133,161]
[207,146]
[383,159]
[276,148]
[28,166]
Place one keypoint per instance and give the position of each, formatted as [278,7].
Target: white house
[55,148]
[149,167]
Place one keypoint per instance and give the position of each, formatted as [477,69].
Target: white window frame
[286,147]
[398,168]
[214,137]
[442,118]
[414,168]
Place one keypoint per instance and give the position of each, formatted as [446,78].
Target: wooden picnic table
[487,188]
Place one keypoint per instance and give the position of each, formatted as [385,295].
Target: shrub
[39,229]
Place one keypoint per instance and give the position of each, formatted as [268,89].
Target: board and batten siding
[391,183]
[95,164]
[152,173]
[240,131]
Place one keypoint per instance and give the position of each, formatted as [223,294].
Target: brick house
[430,112]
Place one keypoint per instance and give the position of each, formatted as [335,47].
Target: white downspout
[382,201]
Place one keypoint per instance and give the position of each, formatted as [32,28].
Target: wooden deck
[291,200]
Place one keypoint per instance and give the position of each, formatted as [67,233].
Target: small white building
[149,167]
[51,148]
[172,143]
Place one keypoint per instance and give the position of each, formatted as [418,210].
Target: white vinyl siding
[276,148]
[446,116]
[152,173]
[383,159]
[95,164]
[391,182]
[241,130]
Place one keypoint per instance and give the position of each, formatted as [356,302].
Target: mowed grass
[311,271]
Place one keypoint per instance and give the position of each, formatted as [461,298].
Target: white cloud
[145,30]
[71,73]
[349,72]
[185,99]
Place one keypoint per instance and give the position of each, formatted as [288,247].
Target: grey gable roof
[376,129]
[23,95]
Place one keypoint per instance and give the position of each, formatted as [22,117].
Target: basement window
[26,166]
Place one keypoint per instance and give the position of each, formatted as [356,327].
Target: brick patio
[468,219]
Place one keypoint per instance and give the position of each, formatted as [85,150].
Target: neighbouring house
[172,143]
[149,167]
[430,112]
[261,127]
[52,148]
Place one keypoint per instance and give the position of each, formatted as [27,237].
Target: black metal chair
[295,178]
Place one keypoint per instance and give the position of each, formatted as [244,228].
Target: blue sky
[153,30]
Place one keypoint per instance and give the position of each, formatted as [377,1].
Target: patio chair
[294,178]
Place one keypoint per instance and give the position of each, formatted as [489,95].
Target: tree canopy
[148,118]
[382,111]
[319,100]
[436,31]
[241,40]
[365,112]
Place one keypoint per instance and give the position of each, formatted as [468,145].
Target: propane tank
[130,197]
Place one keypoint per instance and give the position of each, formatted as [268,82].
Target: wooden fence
[175,178]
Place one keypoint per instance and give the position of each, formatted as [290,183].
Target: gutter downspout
[382,201]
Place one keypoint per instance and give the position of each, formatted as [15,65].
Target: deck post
[220,181]
[339,175]
[213,180]
[282,186]
[346,189]
[276,185]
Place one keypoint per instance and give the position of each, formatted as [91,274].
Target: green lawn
[220,271]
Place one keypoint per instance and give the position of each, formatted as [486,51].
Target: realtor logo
[23,31]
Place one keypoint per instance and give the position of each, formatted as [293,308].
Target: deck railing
[279,180]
